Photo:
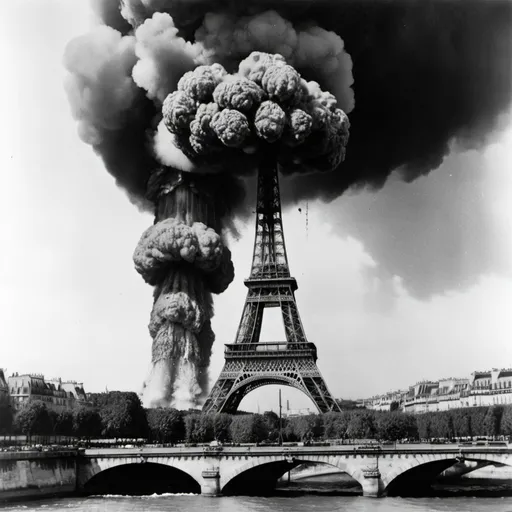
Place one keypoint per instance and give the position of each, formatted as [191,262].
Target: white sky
[71,304]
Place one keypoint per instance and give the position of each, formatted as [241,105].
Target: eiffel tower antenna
[250,363]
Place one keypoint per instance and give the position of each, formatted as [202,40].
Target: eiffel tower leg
[292,324]
[320,395]
[219,393]
[250,325]
[240,376]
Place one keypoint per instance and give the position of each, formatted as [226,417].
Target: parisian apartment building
[57,394]
[481,388]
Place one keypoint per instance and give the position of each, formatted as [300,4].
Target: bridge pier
[210,486]
[372,484]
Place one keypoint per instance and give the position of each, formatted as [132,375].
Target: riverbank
[36,475]
[490,473]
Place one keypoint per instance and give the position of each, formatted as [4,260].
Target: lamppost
[280,421]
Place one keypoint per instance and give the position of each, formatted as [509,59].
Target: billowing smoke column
[183,256]
[266,113]
[185,263]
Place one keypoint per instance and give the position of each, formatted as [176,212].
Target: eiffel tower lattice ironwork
[250,363]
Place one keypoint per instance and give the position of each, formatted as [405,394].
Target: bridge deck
[300,451]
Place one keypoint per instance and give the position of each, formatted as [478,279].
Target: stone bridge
[233,470]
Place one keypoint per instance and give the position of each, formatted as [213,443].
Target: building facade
[490,388]
[56,394]
[493,387]
[390,401]
[4,388]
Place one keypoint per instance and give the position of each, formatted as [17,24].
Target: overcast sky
[412,282]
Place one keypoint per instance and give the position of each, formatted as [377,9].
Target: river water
[312,495]
[308,503]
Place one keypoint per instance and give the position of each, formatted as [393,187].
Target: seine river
[308,503]
[306,496]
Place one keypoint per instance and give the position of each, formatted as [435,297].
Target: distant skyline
[408,283]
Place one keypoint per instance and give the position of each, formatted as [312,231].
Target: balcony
[271,281]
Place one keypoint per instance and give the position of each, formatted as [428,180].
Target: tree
[191,420]
[204,429]
[63,423]
[362,425]
[441,424]
[462,422]
[307,428]
[98,400]
[492,420]
[423,422]
[87,422]
[221,424]
[506,421]
[478,420]
[122,415]
[271,420]
[446,428]
[248,428]
[166,425]
[396,425]
[6,418]
[336,425]
[33,418]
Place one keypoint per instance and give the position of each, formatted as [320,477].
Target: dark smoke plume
[425,72]
[112,66]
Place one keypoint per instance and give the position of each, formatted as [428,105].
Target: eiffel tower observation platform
[250,363]
[270,350]
[275,288]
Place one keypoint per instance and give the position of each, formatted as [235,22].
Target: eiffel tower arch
[250,363]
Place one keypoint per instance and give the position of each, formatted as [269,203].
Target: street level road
[398,448]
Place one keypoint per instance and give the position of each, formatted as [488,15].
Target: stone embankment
[37,474]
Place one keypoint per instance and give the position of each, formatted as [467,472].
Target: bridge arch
[214,472]
[266,471]
[137,476]
[417,473]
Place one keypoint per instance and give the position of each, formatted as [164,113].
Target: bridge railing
[346,450]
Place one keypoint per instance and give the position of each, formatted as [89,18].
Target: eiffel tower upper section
[269,259]
[269,283]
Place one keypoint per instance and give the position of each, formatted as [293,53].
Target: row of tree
[34,418]
[167,425]
[115,414]
[121,415]
[478,421]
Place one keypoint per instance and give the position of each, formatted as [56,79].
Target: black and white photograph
[256,255]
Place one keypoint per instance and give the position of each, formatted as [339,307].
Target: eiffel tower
[250,363]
